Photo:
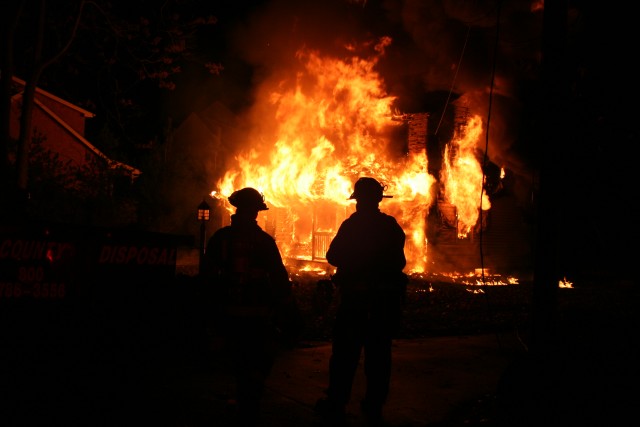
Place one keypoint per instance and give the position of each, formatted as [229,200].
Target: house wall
[70,116]
[58,139]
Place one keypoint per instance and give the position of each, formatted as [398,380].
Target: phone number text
[32,290]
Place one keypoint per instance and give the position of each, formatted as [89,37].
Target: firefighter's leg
[377,369]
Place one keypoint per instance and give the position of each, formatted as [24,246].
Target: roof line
[84,112]
[85,142]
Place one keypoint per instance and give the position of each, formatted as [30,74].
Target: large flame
[333,123]
[462,177]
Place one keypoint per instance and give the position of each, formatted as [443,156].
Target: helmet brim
[384,196]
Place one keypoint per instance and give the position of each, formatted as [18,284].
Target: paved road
[431,379]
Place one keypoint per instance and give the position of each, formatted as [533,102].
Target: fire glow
[328,123]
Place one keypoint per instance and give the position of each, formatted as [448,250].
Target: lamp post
[204,212]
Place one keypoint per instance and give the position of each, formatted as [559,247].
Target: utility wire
[453,82]
[486,143]
[485,158]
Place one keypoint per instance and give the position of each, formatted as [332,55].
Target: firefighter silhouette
[368,251]
[246,285]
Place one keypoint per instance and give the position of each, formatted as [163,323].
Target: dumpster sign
[60,263]
[31,267]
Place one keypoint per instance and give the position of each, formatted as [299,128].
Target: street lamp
[204,212]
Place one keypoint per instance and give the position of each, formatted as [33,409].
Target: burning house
[335,123]
[325,110]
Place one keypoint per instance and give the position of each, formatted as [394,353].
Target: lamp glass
[203,211]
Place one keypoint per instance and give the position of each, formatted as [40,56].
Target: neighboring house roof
[218,115]
[82,111]
[113,164]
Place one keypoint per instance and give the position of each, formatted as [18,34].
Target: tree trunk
[10,13]
[28,99]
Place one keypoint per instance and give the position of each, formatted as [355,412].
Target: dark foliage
[63,192]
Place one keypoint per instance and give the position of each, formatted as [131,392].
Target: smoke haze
[441,52]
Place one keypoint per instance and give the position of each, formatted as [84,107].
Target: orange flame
[461,178]
[333,124]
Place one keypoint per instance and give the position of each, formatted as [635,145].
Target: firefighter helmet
[368,189]
[248,198]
